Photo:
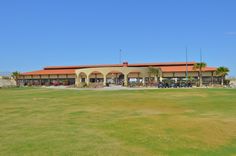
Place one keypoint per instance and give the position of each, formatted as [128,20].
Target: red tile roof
[82,66]
[120,65]
[161,64]
[165,67]
[51,72]
[183,69]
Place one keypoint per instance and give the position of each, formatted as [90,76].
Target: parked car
[173,85]
[161,85]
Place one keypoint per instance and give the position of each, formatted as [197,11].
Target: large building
[118,74]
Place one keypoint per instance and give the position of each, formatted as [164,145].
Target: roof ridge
[119,65]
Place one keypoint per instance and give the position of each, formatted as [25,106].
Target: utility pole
[120,56]
[201,61]
[186,55]
[200,67]
[200,55]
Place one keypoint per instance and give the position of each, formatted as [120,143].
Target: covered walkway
[111,75]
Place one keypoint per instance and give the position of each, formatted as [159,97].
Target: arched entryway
[96,77]
[115,77]
[82,77]
[135,78]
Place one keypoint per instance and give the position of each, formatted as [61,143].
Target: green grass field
[109,123]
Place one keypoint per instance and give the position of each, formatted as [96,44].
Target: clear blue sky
[38,33]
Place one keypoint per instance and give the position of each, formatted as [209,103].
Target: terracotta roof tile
[165,67]
[119,65]
[51,72]
[183,69]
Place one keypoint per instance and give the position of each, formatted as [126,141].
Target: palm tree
[200,66]
[191,79]
[222,71]
[154,71]
[15,76]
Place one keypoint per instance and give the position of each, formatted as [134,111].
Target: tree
[154,71]
[191,79]
[222,71]
[200,66]
[15,76]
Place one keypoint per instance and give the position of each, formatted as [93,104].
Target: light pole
[186,55]
[120,56]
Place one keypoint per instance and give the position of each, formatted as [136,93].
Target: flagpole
[186,55]
[200,55]
[120,56]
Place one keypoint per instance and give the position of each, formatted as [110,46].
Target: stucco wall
[125,70]
[7,83]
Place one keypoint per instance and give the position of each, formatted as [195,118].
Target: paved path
[104,88]
[109,88]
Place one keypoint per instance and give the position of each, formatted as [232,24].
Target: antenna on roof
[186,55]
[200,55]
[120,56]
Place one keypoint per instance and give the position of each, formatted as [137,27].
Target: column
[49,80]
[104,80]
[161,78]
[155,79]
[212,78]
[32,81]
[40,80]
[57,83]
[143,81]
[68,82]
[116,82]
[126,79]
[87,80]
[77,81]
[138,79]
[24,82]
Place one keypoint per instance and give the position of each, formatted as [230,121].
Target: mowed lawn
[36,121]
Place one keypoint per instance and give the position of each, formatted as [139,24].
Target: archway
[82,77]
[96,77]
[115,78]
[135,79]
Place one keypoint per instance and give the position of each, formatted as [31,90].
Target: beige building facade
[117,74]
[124,74]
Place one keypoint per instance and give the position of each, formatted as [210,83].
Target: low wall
[233,83]
[7,83]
